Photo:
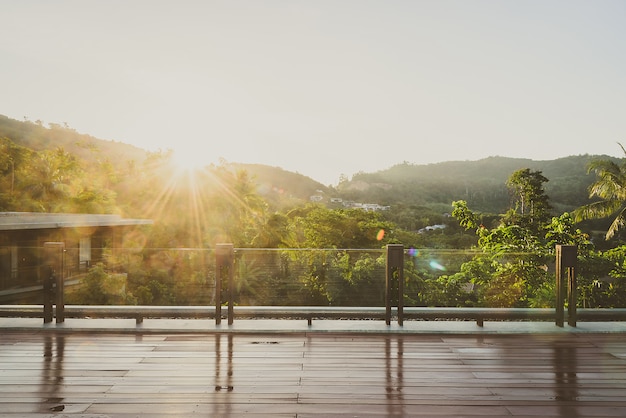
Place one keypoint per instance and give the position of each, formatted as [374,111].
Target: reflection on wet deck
[307,375]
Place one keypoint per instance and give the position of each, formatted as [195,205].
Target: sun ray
[210,204]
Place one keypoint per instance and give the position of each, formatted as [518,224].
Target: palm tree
[49,177]
[610,187]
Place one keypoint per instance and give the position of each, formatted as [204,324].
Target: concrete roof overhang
[15,221]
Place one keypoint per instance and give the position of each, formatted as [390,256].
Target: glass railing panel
[300,277]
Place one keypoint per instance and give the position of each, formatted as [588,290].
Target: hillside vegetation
[510,214]
[37,137]
[481,183]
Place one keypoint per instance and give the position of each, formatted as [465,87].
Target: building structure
[84,236]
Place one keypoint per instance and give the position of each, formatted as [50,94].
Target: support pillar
[566,256]
[53,281]
[224,269]
[394,282]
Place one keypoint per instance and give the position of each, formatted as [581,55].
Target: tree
[530,206]
[100,287]
[315,226]
[12,157]
[467,219]
[237,208]
[332,270]
[512,265]
[610,188]
[48,177]
[273,232]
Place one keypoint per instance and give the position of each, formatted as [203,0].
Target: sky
[324,88]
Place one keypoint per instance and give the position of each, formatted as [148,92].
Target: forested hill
[279,187]
[481,183]
[37,137]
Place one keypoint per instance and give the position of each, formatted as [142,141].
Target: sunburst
[198,199]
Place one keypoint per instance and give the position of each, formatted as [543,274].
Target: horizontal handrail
[478,314]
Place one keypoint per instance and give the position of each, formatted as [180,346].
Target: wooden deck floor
[102,375]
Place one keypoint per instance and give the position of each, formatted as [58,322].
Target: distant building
[316,198]
[373,207]
[369,207]
[431,228]
[23,234]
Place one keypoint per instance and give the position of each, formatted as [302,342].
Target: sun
[189,158]
[183,192]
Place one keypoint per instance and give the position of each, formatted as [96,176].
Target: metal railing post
[394,282]
[572,294]
[48,295]
[566,256]
[53,281]
[224,266]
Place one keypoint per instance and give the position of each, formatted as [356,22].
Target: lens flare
[413,252]
[380,235]
[435,265]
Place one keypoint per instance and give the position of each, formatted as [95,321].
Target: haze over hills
[481,183]
[36,136]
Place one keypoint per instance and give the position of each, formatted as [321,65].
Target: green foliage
[482,183]
[316,226]
[100,287]
[513,260]
[248,283]
[273,232]
[427,286]
[282,190]
[543,295]
[361,283]
[56,169]
[414,217]
[604,282]
[530,207]
[513,269]
[467,219]
[12,158]
[237,208]
[610,188]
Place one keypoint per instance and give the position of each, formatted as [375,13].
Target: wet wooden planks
[95,375]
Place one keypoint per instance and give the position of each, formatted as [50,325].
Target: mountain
[37,137]
[481,183]
[279,187]
[282,188]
